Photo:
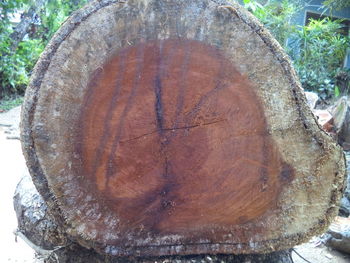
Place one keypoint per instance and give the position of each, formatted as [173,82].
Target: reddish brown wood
[174,139]
[176,127]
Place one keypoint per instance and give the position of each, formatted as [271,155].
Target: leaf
[336,91]
[246,1]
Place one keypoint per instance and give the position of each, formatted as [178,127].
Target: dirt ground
[13,167]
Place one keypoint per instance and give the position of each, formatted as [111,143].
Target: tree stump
[168,127]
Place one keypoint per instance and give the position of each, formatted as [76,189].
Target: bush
[15,68]
[321,55]
[17,63]
[276,16]
[317,49]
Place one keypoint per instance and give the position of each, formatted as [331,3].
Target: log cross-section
[174,140]
[176,127]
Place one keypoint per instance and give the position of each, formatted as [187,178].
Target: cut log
[34,219]
[170,127]
[41,232]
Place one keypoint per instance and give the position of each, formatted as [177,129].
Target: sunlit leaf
[336,91]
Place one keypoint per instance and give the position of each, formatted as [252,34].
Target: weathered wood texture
[43,233]
[176,127]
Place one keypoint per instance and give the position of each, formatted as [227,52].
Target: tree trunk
[156,128]
[21,28]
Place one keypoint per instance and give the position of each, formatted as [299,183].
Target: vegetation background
[21,43]
[317,49]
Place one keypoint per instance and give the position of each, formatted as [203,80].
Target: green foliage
[54,13]
[337,4]
[10,102]
[322,51]
[276,16]
[8,7]
[16,65]
[15,68]
[317,49]
[336,91]
[11,67]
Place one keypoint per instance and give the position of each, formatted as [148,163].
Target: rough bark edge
[29,105]
[40,233]
[28,145]
[305,114]
[77,254]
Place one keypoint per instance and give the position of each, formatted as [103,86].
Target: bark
[157,128]
[34,219]
[40,230]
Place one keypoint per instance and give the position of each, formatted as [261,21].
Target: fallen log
[155,128]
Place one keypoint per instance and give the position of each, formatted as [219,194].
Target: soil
[13,167]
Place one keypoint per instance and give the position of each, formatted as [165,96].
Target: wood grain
[176,127]
[175,140]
